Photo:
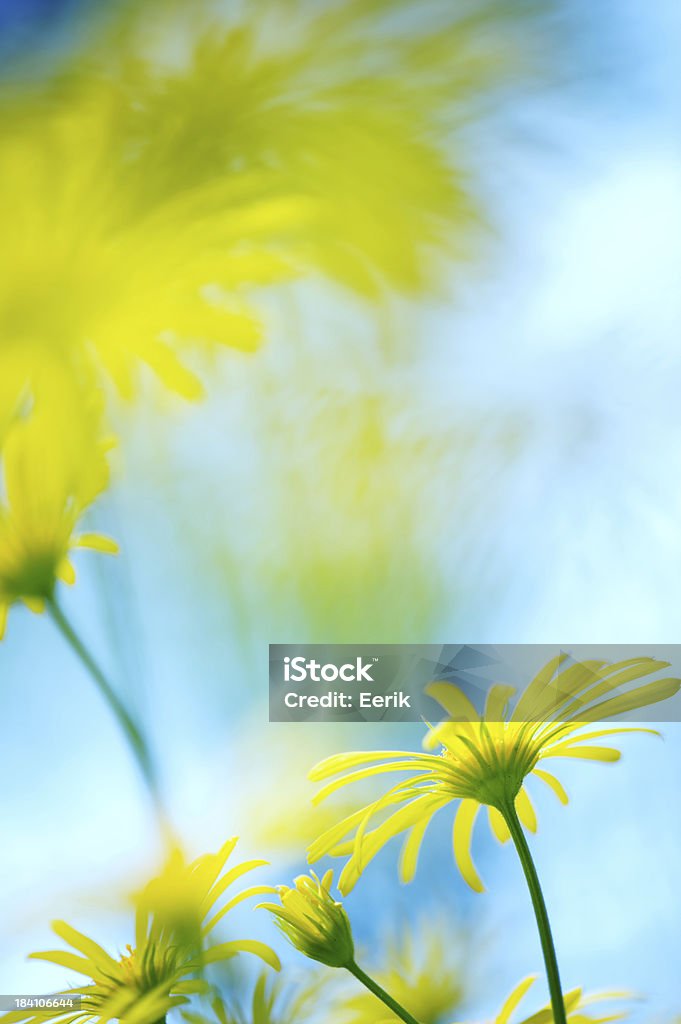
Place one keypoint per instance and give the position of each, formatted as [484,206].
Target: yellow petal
[66,573]
[367,846]
[454,701]
[498,825]
[497,702]
[609,678]
[588,753]
[564,687]
[378,769]
[96,542]
[514,999]
[571,734]
[523,806]
[643,696]
[62,958]
[326,842]
[341,762]
[4,611]
[83,944]
[553,783]
[229,949]
[410,850]
[221,886]
[245,894]
[463,834]
[341,850]
[330,840]
[327,879]
[35,604]
[533,697]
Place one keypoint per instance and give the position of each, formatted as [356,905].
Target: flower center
[128,965]
[491,762]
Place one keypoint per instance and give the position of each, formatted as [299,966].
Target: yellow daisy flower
[578,1007]
[484,761]
[145,202]
[175,916]
[53,465]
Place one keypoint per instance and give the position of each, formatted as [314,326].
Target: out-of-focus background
[496,459]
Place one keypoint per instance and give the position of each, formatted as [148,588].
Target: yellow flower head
[53,467]
[175,915]
[578,1007]
[484,760]
[145,202]
[313,921]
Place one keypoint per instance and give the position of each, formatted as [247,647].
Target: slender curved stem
[131,730]
[543,925]
[381,994]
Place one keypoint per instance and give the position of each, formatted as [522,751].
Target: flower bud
[313,922]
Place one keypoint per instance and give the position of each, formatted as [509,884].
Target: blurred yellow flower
[313,921]
[54,465]
[145,200]
[578,1007]
[423,968]
[485,760]
[164,967]
[346,462]
[271,1003]
[181,897]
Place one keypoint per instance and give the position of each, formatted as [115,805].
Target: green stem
[374,987]
[548,949]
[131,730]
